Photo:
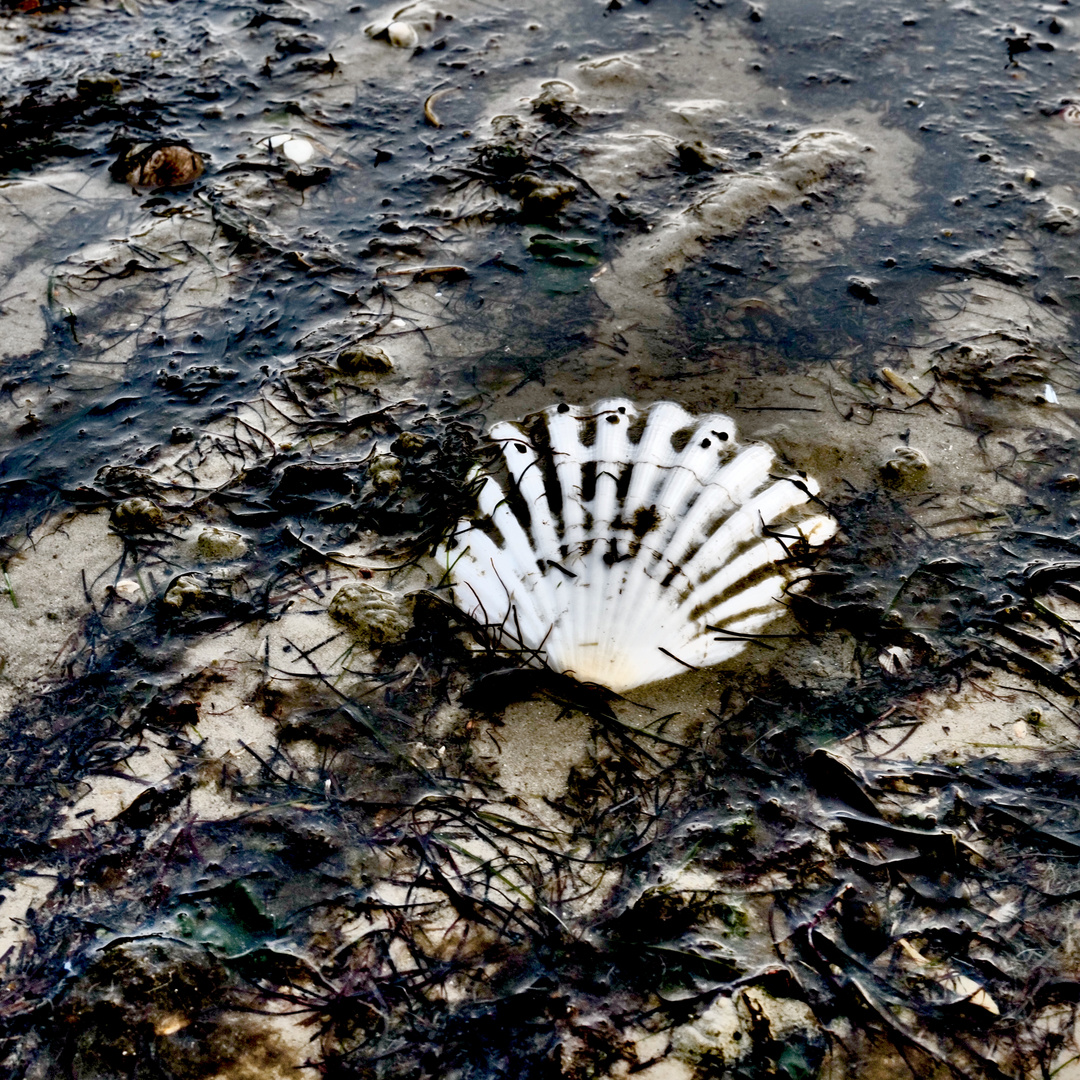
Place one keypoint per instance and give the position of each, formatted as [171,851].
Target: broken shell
[127,589]
[628,547]
[402,35]
[364,358]
[136,515]
[907,471]
[385,473]
[375,616]
[219,545]
[964,989]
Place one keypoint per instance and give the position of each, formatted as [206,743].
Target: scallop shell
[629,546]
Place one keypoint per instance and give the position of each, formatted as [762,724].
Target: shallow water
[240,835]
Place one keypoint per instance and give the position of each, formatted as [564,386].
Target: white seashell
[895,660]
[298,151]
[402,35]
[629,546]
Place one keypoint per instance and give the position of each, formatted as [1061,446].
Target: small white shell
[298,151]
[402,35]
[629,547]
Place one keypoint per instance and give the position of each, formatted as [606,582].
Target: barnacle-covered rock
[189,594]
[219,545]
[376,617]
[907,471]
[385,474]
[364,359]
[137,515]
[540,200]
[410,444]
[159,165]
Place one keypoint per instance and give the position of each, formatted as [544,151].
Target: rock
[385,473]
[375,617]
[219,545]
[136,515]
[863,289]
[906,472]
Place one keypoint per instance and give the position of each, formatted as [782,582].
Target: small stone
[219,545]
[137,515]
[369,359]
[385,473]
[863,289]
[907,471]
[375,617]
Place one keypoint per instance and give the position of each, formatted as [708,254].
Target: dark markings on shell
[619,537]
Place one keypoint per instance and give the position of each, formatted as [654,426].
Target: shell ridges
[624,547]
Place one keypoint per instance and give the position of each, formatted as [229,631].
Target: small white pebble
[1050,395]
[402,35]
[127,588]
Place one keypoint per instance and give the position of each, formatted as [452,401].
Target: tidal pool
[271,805]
